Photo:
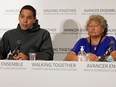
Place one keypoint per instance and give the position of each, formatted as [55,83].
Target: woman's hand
[71,56]
[92,57]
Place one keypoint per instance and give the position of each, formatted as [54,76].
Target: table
[15,73]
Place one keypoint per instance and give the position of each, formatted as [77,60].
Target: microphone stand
[107,53]
[16,51]
[102,59]
[10,57]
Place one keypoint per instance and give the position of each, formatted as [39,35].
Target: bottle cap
[82,48]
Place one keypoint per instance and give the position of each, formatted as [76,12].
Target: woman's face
[26,19]
[94,29]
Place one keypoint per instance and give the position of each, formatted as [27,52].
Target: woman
[97,44]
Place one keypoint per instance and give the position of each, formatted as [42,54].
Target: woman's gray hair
[100,19]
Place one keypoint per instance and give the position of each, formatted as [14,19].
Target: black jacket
[35,40]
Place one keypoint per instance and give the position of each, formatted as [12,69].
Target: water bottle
[82,55]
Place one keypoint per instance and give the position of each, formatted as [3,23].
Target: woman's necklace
[95,47]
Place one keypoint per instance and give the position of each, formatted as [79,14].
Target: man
[27,38]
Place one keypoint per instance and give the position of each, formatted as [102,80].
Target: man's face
[26,19]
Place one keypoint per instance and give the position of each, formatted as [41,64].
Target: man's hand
[21,56]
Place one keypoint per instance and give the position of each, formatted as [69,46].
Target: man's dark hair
[29,7]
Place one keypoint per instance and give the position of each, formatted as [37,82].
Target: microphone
[16,50]
[108,51]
